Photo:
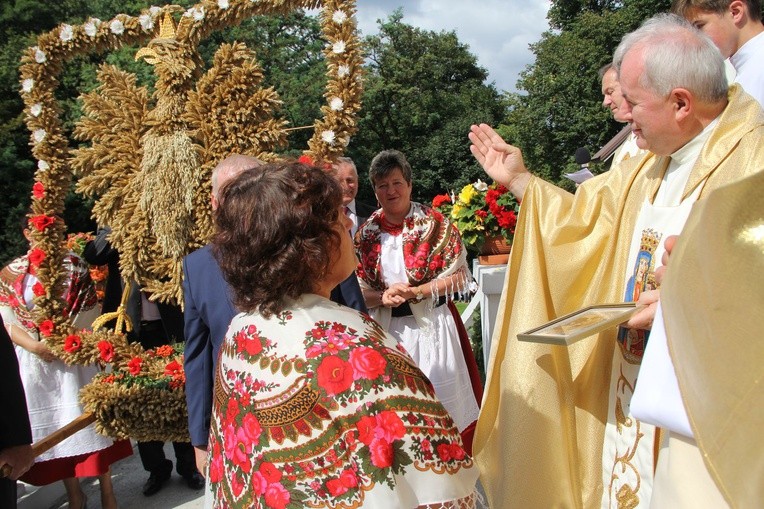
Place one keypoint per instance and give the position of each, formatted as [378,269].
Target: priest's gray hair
[676,55]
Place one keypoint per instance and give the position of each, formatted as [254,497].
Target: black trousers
[7,493]
[152,335]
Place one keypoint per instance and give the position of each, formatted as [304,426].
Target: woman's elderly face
[394,194]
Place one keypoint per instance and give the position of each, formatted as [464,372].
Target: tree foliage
[423,90]
[560,109]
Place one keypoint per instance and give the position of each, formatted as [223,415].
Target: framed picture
[580,324]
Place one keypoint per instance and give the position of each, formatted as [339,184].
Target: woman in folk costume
[412,263]
[315,405]
[51,387]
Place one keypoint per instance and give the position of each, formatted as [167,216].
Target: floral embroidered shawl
[318,407]
[432,247]
[77,291]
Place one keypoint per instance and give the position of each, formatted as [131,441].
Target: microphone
[582,157]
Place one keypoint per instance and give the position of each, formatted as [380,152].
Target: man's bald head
[227,170]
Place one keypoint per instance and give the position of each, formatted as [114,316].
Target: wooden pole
[56,437]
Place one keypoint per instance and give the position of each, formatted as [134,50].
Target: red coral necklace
[388,227]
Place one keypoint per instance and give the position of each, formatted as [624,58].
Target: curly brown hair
[276,233]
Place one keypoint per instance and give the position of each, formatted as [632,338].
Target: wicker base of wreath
[495,251]
[142,413]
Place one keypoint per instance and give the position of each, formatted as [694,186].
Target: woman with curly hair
[315,405]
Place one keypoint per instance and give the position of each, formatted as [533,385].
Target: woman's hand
[396,295]
[41,350]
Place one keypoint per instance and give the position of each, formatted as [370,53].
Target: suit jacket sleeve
[348,293]
[99,250]
[198,366]
[14,419]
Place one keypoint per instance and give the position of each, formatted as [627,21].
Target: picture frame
[580,324]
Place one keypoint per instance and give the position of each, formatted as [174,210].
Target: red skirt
[85,465]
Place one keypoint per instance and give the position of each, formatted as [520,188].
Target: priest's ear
[683,103]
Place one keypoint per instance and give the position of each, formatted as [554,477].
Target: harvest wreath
[149,158]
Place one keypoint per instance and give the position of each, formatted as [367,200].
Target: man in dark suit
[15,433]
[154,324]
[208,310]
[348,293]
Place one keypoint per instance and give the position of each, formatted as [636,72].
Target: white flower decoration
[223,4]
[39,55]
[343,70]
[146,22]
[66,33]
[328,137]
[196,13]
[339,17]
[36,109]
[336,104]
[39,135]
[43,165]
[480,186]
[117,27]
[154,10]
[27,85]
[91,27]
[338,47]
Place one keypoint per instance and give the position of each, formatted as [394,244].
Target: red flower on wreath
[41,222]
[134,366]
[440,200]
[72,343]
[38,191]
[38,289]
[334,375]
[36,256]
[174,369]
[107,351]
[46,327]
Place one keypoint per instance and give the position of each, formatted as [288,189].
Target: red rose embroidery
[46,327]
[134,366]
[336,488]
[366,426]
[389,426]
[232,410]
[270,472]
[36,256]
[251,427]
[107,351]
[41,222]
[381,453]
[276,496]
[237,486]
[216,469]
[449,452]
[334,375]
[38,191]
[367,363]
[72,343]
[38,289]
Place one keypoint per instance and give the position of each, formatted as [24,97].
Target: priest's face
[653,118]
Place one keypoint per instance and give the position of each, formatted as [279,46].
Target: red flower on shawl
[251,427]
[366,426]
[38,191]
[334,375]
[381,453]
[389,426]
[36,256]
[367,363]
[72,343]
[38,289]
[107,351]
[269,472]
[248,343]
[41,222]
[134,366]
[238,448]
[46,327]
[216,465]
[276,496]
[449,452]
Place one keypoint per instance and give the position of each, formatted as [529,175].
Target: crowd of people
[326,364]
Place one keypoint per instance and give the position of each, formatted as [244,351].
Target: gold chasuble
[713,302]
[539,437]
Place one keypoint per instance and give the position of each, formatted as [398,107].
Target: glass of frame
[580,324]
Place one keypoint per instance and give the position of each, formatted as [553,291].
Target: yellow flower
[467,193]
[456,209]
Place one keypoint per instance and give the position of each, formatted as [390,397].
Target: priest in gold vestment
[541,432]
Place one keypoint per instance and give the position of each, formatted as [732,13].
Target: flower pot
[495,251]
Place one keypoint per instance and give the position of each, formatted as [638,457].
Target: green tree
[559,107]
[422,92]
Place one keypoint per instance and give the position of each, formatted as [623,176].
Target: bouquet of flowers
[480,211]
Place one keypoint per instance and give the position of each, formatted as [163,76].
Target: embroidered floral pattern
[322,414]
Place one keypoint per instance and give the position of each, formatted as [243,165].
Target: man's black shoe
[155,483]
[194,481]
